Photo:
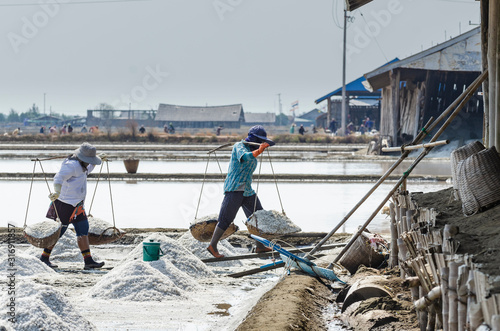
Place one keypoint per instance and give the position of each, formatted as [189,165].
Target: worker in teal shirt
[238,190]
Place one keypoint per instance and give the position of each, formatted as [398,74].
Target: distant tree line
[32,113]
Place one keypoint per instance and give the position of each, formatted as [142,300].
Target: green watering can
[151,251]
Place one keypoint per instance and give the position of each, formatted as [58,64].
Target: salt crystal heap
[42,229]
[24,265]
[272,222]
[99,227]
[41,307]
[135,281]
[211,217]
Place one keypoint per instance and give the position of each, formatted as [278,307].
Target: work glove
[261,149]
[57,191]
[103,157]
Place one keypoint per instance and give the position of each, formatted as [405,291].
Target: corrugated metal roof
[354,88]
[355,4]
[260,118]
[175,113]
[462,53]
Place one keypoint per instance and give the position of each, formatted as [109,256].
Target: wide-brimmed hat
[87,153]
[258,131]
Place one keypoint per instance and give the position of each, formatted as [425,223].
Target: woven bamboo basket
[459,155]
[104,238]
[46,241]
[361,253]
[203,231]
[479,180]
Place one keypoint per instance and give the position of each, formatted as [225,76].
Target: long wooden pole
[413,147]
[465,98]
[418,139]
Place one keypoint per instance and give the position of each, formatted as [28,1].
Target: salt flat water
[375,167]
[312,206]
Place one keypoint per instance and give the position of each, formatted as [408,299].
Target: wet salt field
[376,167]
[312,206]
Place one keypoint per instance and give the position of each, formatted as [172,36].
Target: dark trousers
[232,203]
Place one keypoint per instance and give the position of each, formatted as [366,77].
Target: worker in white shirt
[70,189]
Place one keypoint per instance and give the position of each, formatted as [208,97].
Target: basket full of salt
[203,228]
[43,234]
[270,224]
[101,232]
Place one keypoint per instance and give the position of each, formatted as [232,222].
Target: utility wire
[375,38]
[68,3]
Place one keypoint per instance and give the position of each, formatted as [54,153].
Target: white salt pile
[42,229]
[135,281]
[99,227]
[273,222]
[176,253]
[25,265]
[211,217]
[66,249]
[41,307]
[199,249]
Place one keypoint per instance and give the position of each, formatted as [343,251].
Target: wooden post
[394,236]
[409,217]
[452,295]
[495,323]
[493,68]
[444,285]
[474,312]
[403,219]
[423,315]
[463,273]
[395,78]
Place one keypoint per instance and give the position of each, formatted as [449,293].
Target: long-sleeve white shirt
[73,180]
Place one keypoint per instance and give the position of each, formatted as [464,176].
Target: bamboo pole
[445,271]
[423,316]
[463,273]
[469,92]
[50,158]
[417,140]
[394,237]
[426,300]
[474,313]
[414,147]
[453,298]
[409,217]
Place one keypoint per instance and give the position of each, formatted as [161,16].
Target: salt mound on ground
[180,278]
[135,281]
[98,226]
[211,217]
[273,222]
[66,249]
[199,249]
[176,253]
[41,307]
[42,229]
[25,265]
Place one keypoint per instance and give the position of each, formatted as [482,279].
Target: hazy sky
[196,52]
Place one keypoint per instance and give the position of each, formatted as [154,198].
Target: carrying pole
[458,103]
[464,97]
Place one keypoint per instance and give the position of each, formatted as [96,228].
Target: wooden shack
[229,116]
[423,85]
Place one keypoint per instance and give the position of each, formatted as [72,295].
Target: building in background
[425,84]
[228,116]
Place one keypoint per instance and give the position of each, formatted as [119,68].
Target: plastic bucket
[151,251]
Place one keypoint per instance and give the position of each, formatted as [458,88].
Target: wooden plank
[269,254]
